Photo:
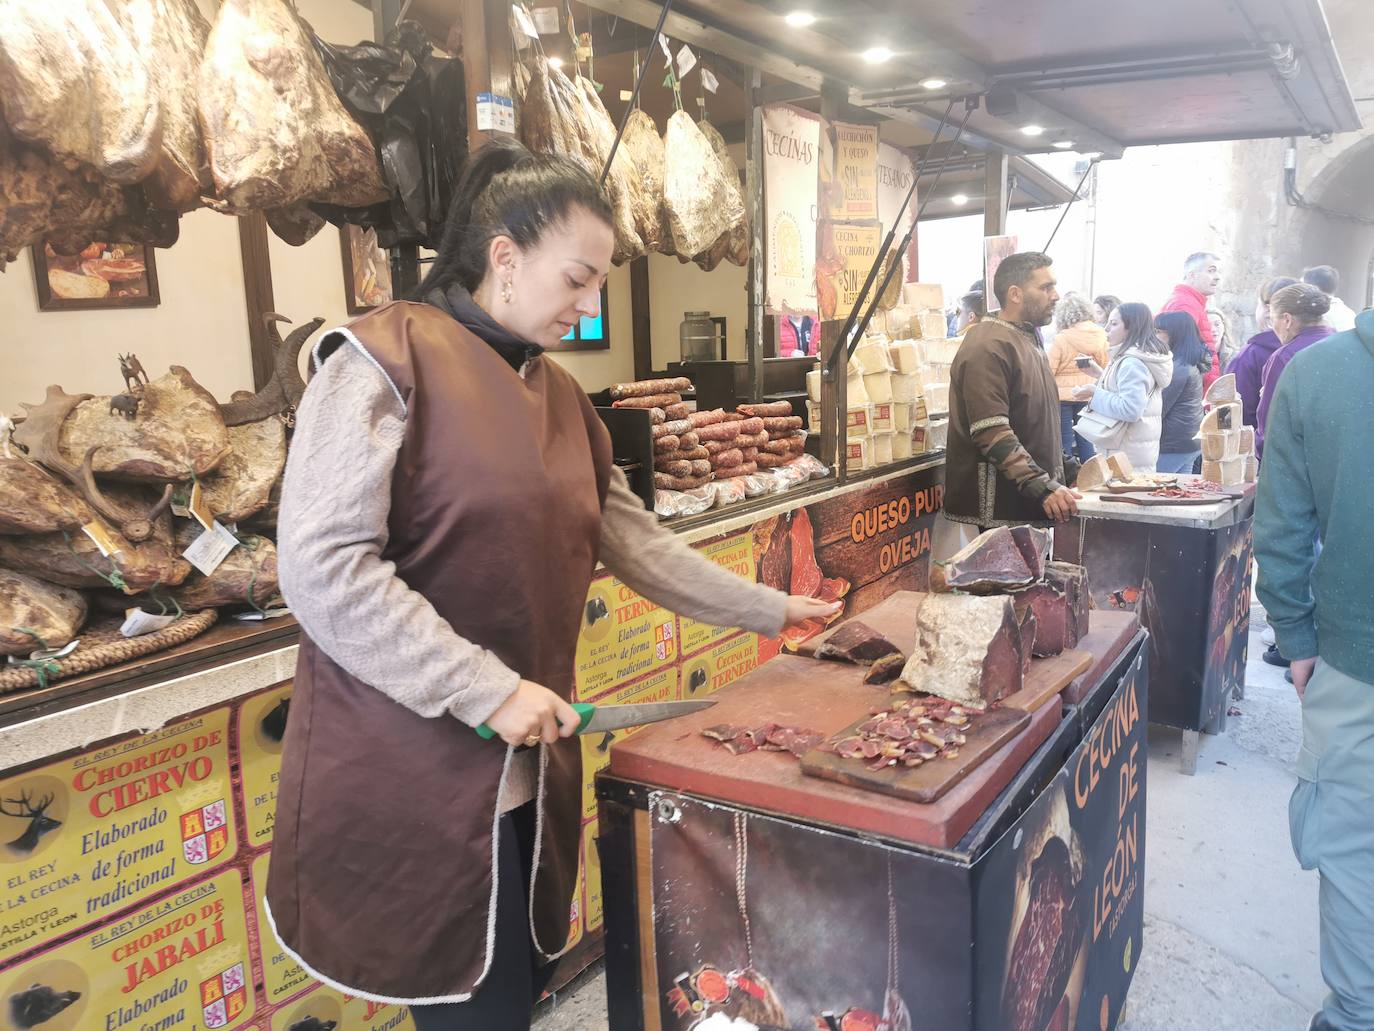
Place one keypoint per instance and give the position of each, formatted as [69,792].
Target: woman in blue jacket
[1182,398]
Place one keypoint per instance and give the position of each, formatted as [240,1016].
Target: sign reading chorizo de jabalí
[262,725]
[91,835]
[283,976]
[325,1008]
[181,962]
[735,553]
[624,635]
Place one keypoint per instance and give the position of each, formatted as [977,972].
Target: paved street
[1231,921]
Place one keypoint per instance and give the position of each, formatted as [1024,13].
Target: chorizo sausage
[769,409]
[750,454]
[749,426]
[667,442]
[770,461]
[718,431]
[647,387]
[784,425]
[678,411]
[689,439]
[665,482]
[701,467]
[743,469]
[684,454]
[648,401]
[700,419]
[656,417]
[673,467]
[752,439]
[677,428]
[725,459]
[715,447]
[785,446]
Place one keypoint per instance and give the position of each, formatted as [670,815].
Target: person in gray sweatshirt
[1130,388]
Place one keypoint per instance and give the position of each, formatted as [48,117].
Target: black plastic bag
[414,107]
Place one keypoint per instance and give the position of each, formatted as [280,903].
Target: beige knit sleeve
[336,499]
[659,565]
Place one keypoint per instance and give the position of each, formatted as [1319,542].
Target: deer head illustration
[35,811]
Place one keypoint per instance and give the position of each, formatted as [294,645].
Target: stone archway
[1345,185]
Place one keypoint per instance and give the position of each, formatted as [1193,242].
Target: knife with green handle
[600,718]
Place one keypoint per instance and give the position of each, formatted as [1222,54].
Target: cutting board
[929,781]
[894,618]
[1046,678]
[1150,501]
[1131,488]
[824,697]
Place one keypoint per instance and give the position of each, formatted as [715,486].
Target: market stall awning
[960,190]
[1090,78]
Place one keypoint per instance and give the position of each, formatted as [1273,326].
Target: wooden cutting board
[927,782]
[894,618]
[1046,678]
[1150,501]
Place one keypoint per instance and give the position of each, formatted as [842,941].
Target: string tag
[627,95]
[546,20]
[138,622]
[44,654]
[686,61]
[667,53]
[211,548]
[709,80]
[199,510]
[523,20]
[100,536]
[257,617]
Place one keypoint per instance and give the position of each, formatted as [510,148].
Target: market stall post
[1187,572]
[753,201]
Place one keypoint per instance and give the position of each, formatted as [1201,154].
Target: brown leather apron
[381,878]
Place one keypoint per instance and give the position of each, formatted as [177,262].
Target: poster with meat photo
[367,273]
[1228,622]
[103,274]
[1060,898]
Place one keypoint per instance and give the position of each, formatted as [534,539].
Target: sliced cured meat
[806,574]
[1042,954]
[968,649]
[886,669]
[855,641]
[722,732]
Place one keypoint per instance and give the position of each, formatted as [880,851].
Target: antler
[39,434]
[27,808]
[286,385]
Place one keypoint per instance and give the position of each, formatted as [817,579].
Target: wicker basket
[102,645]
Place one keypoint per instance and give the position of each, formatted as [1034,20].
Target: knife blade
[601,718]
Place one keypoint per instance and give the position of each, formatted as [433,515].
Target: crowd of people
[1124,379]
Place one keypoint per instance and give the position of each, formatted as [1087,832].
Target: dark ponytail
[507,191]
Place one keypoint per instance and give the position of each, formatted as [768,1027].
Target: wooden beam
[640,328]
[257,293]
[487,58]
[834,389]
[753,205]
[995,193]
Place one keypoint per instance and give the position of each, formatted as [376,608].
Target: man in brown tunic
[1004,464]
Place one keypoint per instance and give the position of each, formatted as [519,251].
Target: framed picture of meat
[103,274]
[366,270]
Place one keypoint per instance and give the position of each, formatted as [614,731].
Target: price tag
[686,61]
[100,535]
[546,20]
[709,80]
[258,617]
[137,622]
[210,549]
[199,510]
[667,53]
[523,20]
[627,95]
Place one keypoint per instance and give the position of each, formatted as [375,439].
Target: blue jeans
[1177,463]
[1071,442]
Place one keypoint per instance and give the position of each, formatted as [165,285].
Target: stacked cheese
[1228,446]
[926,301]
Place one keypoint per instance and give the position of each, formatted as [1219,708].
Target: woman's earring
[507,293]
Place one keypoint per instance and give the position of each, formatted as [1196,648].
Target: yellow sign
[735,553]
[857,247]
[623,636]
[708,672]
[284,977]
[591,882]
[326,1008]
[575,929]
[181,962]
[90,835]
[262,724]
[596,748]
[856,171]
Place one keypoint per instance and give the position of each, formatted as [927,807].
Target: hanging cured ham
[644,147]
[732,245]
[274,129]
[702,203]
[171,34]
[72,83]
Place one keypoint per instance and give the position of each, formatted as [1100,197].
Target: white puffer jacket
[1130,390]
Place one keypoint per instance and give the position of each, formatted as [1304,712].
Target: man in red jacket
[1201,275]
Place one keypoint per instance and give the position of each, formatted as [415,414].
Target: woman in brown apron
[448,495]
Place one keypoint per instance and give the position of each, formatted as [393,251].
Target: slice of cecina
[856,642]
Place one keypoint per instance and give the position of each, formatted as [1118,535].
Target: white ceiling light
[555,62]
[1032,130]
[933,84]
[877,55]
[1062,144]
[959,200]
[800,19]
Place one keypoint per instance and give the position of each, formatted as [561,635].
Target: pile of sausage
[693,448]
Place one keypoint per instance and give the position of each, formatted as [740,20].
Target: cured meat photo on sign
[810,581]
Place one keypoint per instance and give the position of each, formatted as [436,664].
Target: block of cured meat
[967,649]
[732,245]
[274,129]
[73,560]
[1026,623]
[74,84]
[1048,603]
[178,428]
[34,501]
[242,484]
[855,641]
[886,669]
[644,147]
[626,189]
[1042,955]
[1074,580]
[53,614]
[700,202]
[171,35]
[249,569]
[1001,559]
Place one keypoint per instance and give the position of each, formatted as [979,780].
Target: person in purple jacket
[1248,365]
[1297,312]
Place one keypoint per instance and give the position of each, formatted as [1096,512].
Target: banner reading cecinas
[88,836]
